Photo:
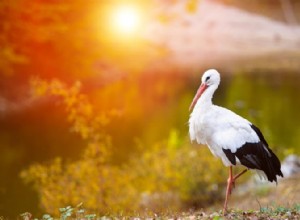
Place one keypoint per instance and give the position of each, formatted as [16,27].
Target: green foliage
[280,212]
[217,218]
[297,207]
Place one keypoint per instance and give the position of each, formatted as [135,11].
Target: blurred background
[94,98]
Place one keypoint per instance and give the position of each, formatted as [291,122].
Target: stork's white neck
[205,101]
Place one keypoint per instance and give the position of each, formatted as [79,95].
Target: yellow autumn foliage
[162,177]
[169,174]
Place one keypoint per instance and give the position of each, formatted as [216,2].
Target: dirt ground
[256,195]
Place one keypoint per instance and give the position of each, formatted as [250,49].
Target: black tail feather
[272,166]
[257,156]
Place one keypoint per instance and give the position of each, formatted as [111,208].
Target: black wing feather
[257,156]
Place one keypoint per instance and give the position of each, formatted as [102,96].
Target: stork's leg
[230,185]
[238,175]
[228,190]
[235,177]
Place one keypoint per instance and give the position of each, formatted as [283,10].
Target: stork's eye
[207,78]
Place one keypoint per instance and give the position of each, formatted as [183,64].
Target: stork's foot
[225,211]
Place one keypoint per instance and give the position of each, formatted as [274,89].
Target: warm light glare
[126,19]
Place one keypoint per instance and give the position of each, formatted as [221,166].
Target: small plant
[280,210]
[265,209]
[270,212]
[26,216]
[91,216]
[47,217]
[66,212]
[297,208]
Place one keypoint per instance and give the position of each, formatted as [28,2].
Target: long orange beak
[201,89]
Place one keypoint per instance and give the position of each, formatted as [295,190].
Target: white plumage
[220,128]
[229,136]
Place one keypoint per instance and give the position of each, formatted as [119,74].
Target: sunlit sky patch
[126,19]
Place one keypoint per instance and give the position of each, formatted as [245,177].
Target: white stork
[229,136]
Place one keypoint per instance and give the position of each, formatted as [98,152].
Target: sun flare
[126,19]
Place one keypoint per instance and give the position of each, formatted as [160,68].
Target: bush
[169,174]
[165,176]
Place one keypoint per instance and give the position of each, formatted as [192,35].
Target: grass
[277,212]
[252,203]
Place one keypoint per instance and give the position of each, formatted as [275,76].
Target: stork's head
[211,78]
